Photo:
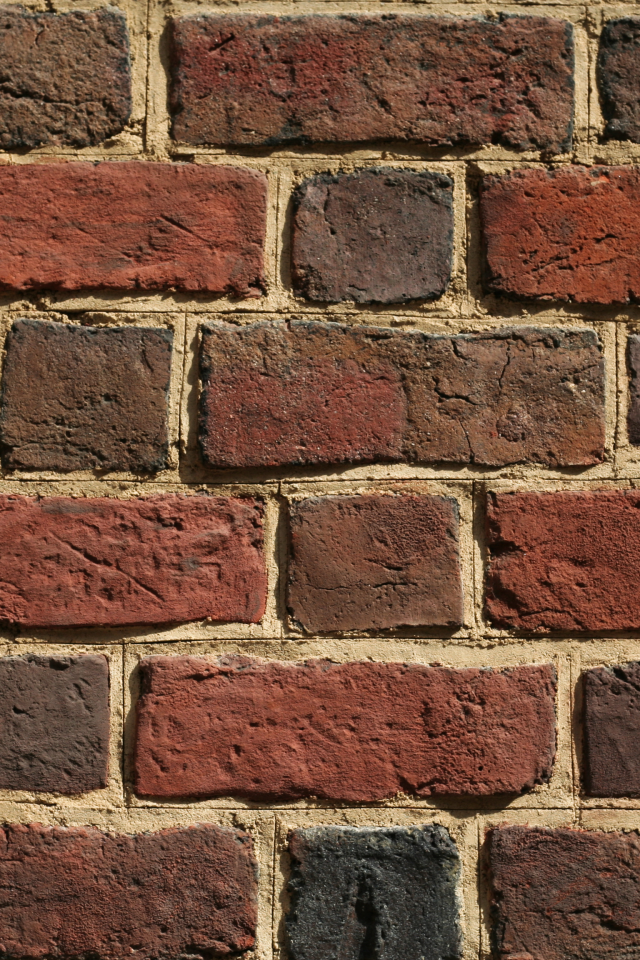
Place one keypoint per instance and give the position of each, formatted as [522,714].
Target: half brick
[611,731]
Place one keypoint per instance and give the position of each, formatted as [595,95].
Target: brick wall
[319,480]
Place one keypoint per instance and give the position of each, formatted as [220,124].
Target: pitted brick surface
[611,731]
[619,78]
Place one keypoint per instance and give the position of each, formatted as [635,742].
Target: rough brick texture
[564,234]
[374,562]
[344,732]
[256,79]
[564,561]
[619,78]
[611,731]
[379,235]
[633,413]
[77,892]
[65,77]
[129,226]
[357,891]
[303,393]
[565,894]
[80,398]
[108,562]
[54,717]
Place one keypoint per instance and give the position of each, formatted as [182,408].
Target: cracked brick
[352,732]
[82,398]
[611,730]
[105,562]
[302,393]
[241,79]
[619,78]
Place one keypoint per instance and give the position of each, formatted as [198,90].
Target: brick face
[353,732]
[611,728]
[618,78]
[237,80]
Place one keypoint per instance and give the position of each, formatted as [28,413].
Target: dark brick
[374,562]
[379,235]
[54,717]
[619,78]
[564,894]
[82,398]
[105,562]
[633,415]
[66,77]
[611,731]
[564,234]
[132,226]
[353,732]
[261,79]
[359,891]
[72,892]
[301,393]
[564,561]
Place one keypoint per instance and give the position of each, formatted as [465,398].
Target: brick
[303,393]
[132,226]
[611,729]
[359,891]
[375,236]
[75,892]
[564,234]
[564,894]
[619,77]
[353,732]
[374,562]
[105,562]
[83,398]
[255,79]
[66,77]
[633,414]
[54,715]
[564,561]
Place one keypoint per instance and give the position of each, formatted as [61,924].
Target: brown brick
[342,732]
[301,393]
[564,561]
[611,730]
[82,398]
[66,77]
[132,226]
[619,78]
[378,235]
[564,894]
[54,717]
[256,79]
[108,562]
[633,414]
[374,562]
[78,892]
[564,234]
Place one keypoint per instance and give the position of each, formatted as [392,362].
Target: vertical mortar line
[479,888]
[575,777]
[125,799]
[477,624]
[273,884]
[183,441]
[588,31]
[621,357]
[145,126]
[467,242]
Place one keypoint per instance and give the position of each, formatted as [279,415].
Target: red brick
[73,892]
[297,393]
[105,562]
[256,79]
[565,234]
[611,728]
[564,561]
[564,894]
[132,226]
[374,562]
[341,732]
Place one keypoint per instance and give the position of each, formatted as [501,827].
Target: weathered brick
[374,562]
[54,717]
[261,79]
[132,226]
[104,562]
[78,892]
[564,234]
[611,730]
[378,235]
[633,414]
[358,891]
[619,78]
[343,732]
[564,894]
[564,561]
[299,393]
[81,398]
[66,77]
